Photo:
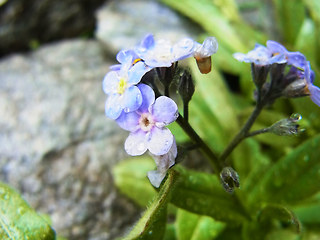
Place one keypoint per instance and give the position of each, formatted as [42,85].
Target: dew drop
[126,109]
[306,158]
[150,232]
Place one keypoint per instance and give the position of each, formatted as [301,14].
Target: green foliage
[202,193]
[292,178]
[197,227]
[18,220]
[130,176]
[279,176]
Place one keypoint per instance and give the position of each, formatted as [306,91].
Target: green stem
[212,157]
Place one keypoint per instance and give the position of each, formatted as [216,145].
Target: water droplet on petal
[126,109]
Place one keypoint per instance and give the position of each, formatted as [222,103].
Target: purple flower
[147,124]
[260,56]
[120,87]
[202,53]
[313,90]
[163,162]
[162,53]
[296,59]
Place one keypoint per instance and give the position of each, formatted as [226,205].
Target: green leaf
[202,193]
[196,227]
[152,225]
[290,16]
[170,233]
[293,178]
[308,214]
[130,177]
[18,220]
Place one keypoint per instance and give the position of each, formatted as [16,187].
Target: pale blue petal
[110,82]
[113,106]
[148,41]
[115,67]
[164,110]
[315,94]
[129,121]
[275,47]
[148,97]
[183,49]
[125,56]
[132,99]
[136,72]
[160,142]
[136,143]
[156,177]
[208,48]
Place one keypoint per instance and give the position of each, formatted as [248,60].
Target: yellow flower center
[122,85]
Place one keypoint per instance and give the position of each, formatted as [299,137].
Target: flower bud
[288,126]
[186,87]
[259,74]
[229,179]
[298,88]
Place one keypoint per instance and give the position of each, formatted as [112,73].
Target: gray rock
[123,23]
[23,23]
[56,145]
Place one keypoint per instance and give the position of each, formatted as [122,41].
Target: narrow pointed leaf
[293,178]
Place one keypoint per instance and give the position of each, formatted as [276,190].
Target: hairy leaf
[152,225]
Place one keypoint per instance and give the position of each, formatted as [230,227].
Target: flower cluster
[290,72]
[132,101]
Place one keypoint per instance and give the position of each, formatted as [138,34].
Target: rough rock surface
[56,145]
[23,22]
[123,23]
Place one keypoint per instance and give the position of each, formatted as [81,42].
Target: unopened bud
[203,53]
[298,88]
[229,179]
[288,126]
[186,87]
[259,74]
